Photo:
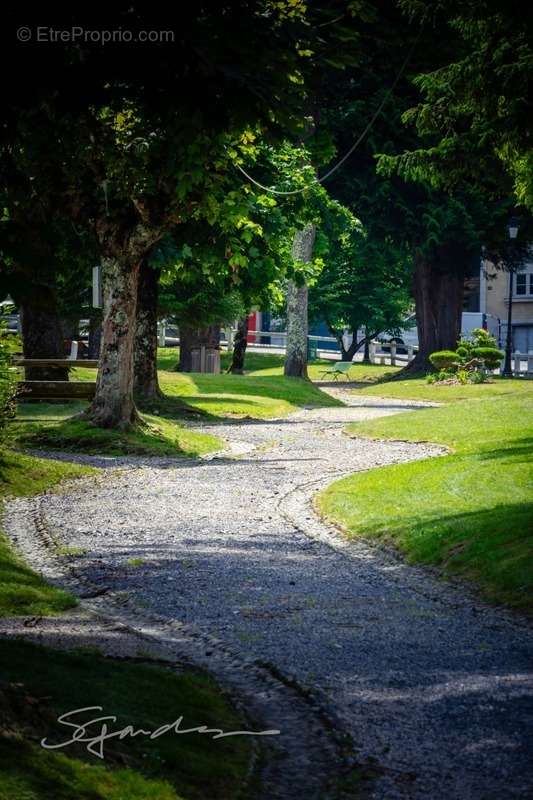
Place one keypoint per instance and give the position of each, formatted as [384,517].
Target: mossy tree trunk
[124,249]
[145,382]
[347,353]
[297,325]
[187,342]
[113,405]
[366,353]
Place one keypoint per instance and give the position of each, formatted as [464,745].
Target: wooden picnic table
[55,390]
[56,362]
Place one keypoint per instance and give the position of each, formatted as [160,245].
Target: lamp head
[512,227]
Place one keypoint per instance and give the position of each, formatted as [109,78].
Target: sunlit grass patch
[470,512]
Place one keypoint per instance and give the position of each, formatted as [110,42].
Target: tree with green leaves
[442,229]
[213,273]
[131,141]
[475,107]
[308,223]
[260,284]
[363,289]
[45,266]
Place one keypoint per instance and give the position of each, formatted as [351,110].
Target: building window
[524,284]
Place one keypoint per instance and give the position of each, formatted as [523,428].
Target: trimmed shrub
[443,359]
[491,356]
[471,360]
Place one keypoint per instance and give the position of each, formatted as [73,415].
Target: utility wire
[352,148]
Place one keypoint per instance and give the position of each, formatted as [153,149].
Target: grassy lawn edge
[22,591]
[469,512]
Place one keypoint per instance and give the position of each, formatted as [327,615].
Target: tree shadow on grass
[491,546]
[184,409]
[522,451]
[276,387]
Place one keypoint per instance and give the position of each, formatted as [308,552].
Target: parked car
[407,336]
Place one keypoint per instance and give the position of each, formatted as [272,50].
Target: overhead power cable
[352,148]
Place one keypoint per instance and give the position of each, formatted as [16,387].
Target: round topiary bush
[491,356]
[443,359]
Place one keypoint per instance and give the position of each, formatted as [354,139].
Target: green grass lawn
[419,389]
[270,364]
[170,767]
[49,426]
[262,393]
[470,512]
[22,591]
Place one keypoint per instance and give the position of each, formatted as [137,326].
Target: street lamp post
[512,227]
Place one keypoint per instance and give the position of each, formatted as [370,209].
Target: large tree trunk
[113,405]
[438,292]
[145,383]
[239,347]
[296,355]
[42,334]
[190,338]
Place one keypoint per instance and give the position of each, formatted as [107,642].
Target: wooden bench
[55,362]
[339,368]
[56,390]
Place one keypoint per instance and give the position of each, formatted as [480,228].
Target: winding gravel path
[431,684]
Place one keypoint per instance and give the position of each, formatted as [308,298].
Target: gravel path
[431,684]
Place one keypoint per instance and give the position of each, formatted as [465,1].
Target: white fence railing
[377,355]
[522,363]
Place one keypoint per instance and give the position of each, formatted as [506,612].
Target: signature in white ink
[95,741]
